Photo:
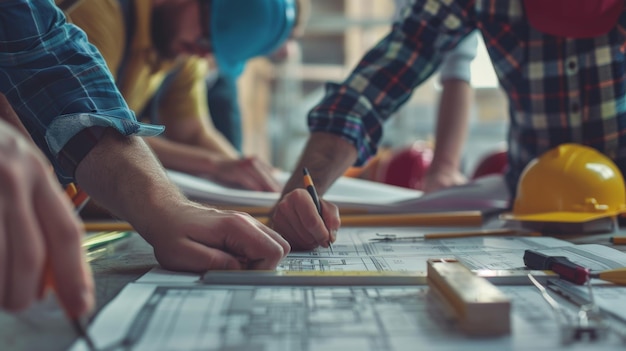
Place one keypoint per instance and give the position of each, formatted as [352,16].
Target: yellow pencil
[107,226]
[451,219]
[618,240]
[616,276]
[447,219]
[464,218]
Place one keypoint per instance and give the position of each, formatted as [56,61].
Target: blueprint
[152,317]
[174,311]
[355,250]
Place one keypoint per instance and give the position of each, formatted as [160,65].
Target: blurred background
[275,97]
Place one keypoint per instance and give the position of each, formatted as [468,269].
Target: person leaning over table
[66,99]
[159,52]
[223,93]
[560,62]
[453,115]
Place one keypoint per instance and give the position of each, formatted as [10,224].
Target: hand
[122,174]
[250,173]
[195,238]
[39,232]
[439,179]
[296,219]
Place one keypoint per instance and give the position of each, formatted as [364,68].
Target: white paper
[346,191]
[487,193]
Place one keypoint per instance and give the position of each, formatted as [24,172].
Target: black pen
[310,187]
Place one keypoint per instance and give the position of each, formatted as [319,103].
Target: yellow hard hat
[571,183]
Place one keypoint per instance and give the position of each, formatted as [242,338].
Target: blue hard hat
[242,29]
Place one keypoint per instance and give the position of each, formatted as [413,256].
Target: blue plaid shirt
[56,81]
[559,89]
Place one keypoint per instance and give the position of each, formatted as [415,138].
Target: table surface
[46,328]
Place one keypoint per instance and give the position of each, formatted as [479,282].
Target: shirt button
[571,65]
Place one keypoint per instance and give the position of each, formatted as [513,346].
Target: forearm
[182,157]
[327,157]
[452,121]
[199,132]
[249,173]
[121,174]
[215,142]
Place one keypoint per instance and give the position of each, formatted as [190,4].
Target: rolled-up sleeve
[456,63]
[57,82]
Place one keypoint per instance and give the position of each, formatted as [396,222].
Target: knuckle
[279,251]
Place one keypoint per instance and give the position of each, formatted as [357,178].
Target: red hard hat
[406,167]
[493,163]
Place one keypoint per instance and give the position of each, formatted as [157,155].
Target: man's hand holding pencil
[304,219]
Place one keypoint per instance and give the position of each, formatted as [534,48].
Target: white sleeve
[456,63]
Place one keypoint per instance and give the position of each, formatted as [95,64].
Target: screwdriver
[561,265]
[571,271]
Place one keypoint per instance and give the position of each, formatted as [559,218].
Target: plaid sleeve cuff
[350,115]
[71,137]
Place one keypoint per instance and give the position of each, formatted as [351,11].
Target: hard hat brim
[565,217]
[243,29]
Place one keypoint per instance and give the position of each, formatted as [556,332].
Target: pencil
[103,226]
[76,322]
[484,232]
[310,188]
[457,234]
[618,240]
[78,196]
[448,219]
[82,333]
[615,276]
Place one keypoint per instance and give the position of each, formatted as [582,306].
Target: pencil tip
[81,330]
[305,171]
